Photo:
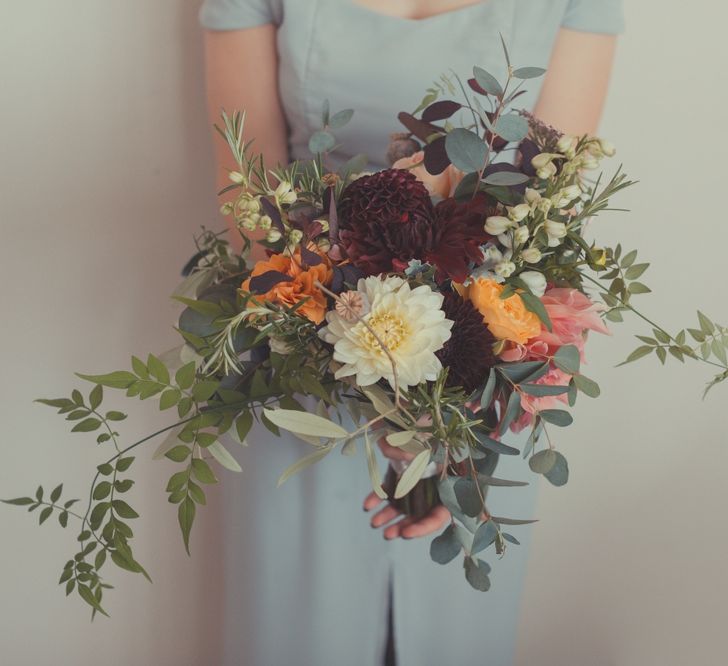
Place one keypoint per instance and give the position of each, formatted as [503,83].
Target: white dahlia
[410,322]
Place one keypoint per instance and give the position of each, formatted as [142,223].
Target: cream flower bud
[254,205]
[493,254]
[505,240]
[505,268]
[565,144]
[589,162]
[265,223]
[558,201]
[226,208]
[496,225]
[571,192]
[284,193]
[556,231]
[278,346]
[295,236]
[237,177]
[519,212]
[531,255]
[273,236]
[542,159]
[544,206]
[324,225]
[608,148]
[248,224]
[593,148]
[521,235]
[536,282]
[546,172]
[532,196]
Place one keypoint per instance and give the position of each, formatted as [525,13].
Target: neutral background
[105,174]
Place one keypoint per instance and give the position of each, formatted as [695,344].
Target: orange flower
[507,319]
[300,288]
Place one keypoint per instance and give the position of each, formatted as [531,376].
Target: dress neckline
[442,16]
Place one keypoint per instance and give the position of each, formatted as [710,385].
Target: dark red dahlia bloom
[386,220]
[468,354]
[458,234]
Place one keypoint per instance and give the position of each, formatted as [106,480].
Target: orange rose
[443,184]
[300,288]
[507,319]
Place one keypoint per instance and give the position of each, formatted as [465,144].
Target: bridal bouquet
[438,304]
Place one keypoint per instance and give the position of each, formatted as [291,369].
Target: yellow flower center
[391,330]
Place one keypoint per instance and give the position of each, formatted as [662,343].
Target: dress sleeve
[238,14]
[601,16]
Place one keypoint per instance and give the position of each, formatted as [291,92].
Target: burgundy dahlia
[458,234]
[468,354]
[386,220]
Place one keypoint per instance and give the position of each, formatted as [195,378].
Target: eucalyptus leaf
[476,573]
[321,142]
[445,547]
[484,537]
[528,72]
[487,81]
[512,127]
[568,359]
[412,474]
[305,423]
[466,150]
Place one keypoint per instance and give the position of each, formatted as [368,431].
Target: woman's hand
[394,522]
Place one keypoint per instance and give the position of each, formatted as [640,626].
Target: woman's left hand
[406,527]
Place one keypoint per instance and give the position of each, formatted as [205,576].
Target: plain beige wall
[105,173]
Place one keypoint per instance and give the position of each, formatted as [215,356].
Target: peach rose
[301,288]
[507,319]
[443,184]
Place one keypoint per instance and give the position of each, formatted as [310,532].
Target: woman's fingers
[395,529]
[434,521]
[372,501]
[386,515]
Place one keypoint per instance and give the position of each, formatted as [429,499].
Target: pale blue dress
[306,579]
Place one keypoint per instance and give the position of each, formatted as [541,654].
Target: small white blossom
[295,237]
[505,268]
[273,236]
[566,144]
[278,346]
[532,196]
[543,159]
[284,193]
[548,171]
[536,282]
[544,206]
[521,235]
[226,208]
[265,222]
[496,225]
[248,224]
[519,212]
[531,255]
[608,148]
[556,231]
[571,192]
[589,162]
[236,177]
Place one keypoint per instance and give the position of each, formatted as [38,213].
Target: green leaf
[308,460]
[706,325]
[340,118]
[638,288]
[505,179]
[513,408]
[468,498]
[221,454]
[373,465]
[47,511]
[96,396]
[88,596]
[719,351]
[587,386]
[158,369]
[487,397]
[204,390]
[139,367]
[120,379]
[445,547]
[558,475]
[19,501]
[628,259]
[179,453]
[243,424]
[115,416]
[512,127]
[321,142]
[305,423]
[543,461]
[102,490]
[534,304]
[186,517]
[105,469]
[202,471]
[169,398]
[87,425]
[401,438]
[633,272]
[412,474]
[637,354]
[185,376]
[196,493]
[466,150]
[56,493]
[484,536]
[123,486]
[528,72]
[557,417]
[123,464]
[520,372]
[568,359]
[123,509]
[476,573]
[487,81]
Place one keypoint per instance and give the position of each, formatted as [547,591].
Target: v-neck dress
[306,580]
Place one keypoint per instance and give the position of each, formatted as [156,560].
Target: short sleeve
[238,14]
[602,16]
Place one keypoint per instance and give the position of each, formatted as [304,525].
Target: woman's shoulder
[599,16]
